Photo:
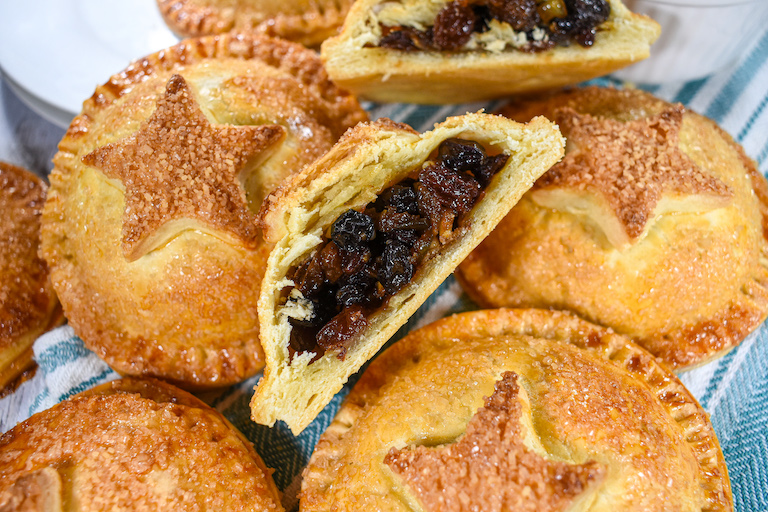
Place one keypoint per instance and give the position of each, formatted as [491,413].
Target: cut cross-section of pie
[427,51]
[365,234]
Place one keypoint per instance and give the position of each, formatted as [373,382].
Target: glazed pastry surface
[654,224]
[308,22]
[517,410]
[28,304]
[367,160]
[355,61]
[132,445]
[149,227]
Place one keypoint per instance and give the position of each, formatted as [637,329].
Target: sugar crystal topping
[490,468]
[180,166]
[632,164]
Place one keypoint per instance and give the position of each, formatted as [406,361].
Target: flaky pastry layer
[368,159]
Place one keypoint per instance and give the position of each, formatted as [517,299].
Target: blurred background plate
[54,53]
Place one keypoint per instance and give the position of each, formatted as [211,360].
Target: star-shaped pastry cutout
[490,468]
[624,175]
[182,172]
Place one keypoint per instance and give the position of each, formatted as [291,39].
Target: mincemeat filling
[546,23]
[370,255]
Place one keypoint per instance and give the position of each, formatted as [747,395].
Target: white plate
[55,52]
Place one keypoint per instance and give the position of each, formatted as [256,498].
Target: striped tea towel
[734,389]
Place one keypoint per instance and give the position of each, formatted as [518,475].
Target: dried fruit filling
[372,254]
[528,25]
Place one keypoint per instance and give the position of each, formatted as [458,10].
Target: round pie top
[654,224]
[517,410]
[132,445]
[149,225]
[308,22]
[28,304]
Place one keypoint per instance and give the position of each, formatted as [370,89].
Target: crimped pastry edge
[311,28]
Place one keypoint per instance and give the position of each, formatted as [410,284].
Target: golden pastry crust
[354,60]
[688,281]
[585,396]
[133,445]
[28,304]
[149,227]
[367,160]
[308,22]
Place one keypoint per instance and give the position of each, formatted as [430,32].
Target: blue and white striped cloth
[734,389]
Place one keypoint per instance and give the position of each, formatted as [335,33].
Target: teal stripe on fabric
[38,400]
[689,90]
[276,445]
[722,367]
[738,81]
[87,384]
[752,118]
[62,354]
[763,153]
[741,425]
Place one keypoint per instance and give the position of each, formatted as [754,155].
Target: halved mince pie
[308,22]
[149,228]
[365,234]
[132,444]
[442,51]
[529,410]
[655,224]
[28,304]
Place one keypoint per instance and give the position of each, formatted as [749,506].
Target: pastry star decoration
[625,175]
[490,468]
[181,172]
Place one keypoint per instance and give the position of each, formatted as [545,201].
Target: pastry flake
[366,233]
[688,282]
[132,445]
[434,52]
[587,399]
[179,168]
[157,258]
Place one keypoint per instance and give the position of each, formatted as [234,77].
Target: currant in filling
[370,255]
[538,25]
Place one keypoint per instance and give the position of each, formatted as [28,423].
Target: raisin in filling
[372,254]
[545,23]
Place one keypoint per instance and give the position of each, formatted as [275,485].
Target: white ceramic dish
[698,37]
[54,53]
